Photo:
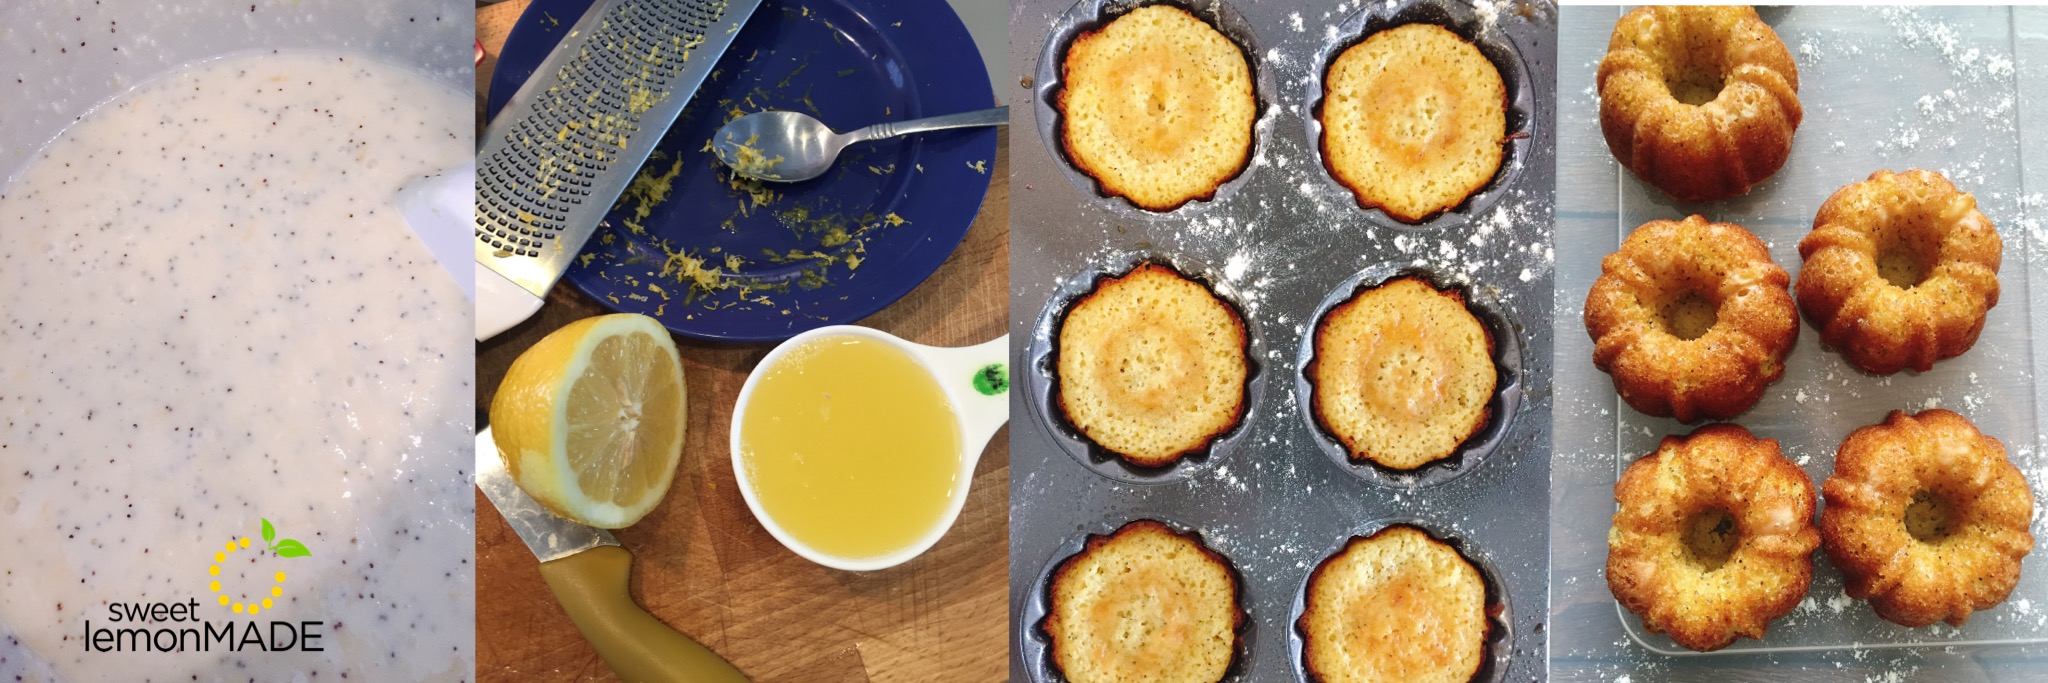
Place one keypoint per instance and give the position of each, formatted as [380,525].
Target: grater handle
[500,303]
[998,116]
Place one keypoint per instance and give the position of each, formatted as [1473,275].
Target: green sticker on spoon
[992,379]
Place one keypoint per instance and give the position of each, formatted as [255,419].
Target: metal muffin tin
[1283,242]
[1041,378]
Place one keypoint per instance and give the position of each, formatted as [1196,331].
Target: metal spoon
[787,146]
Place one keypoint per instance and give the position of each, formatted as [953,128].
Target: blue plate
[796,256]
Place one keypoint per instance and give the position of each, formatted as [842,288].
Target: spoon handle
[998,116]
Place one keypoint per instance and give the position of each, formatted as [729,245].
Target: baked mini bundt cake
[1151,365]
[1402,373]
[1692,319]
[1700,102]
[1395,606]
[1414,120]
[1157,106]
[1926,518]
[1145,603]
[1714,538]
[1900,271]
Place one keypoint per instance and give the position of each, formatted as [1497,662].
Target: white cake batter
[209,315]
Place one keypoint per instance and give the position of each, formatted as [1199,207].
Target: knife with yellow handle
[588,572]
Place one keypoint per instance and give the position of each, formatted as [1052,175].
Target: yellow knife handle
[592,587]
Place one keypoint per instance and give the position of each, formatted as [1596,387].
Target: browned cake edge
[1357,194]
[1058,398]
[1315,394]
[1493,602]
[1050,625]
[1103,187]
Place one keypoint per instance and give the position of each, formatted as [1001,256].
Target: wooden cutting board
[707,568]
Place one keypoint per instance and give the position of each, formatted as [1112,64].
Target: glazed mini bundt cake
[1692,319]
[1926,518]
[1151,365]
[1398,605]
[1157,106]
[1714,538]
[1414,120]
[1145,603]
[1700,102]
[1402,373]
[1900,271]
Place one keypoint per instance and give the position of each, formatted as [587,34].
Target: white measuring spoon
[978,414]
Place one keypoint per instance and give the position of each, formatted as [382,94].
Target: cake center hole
[1927,518]
[1688,316]
[1695,86]
[1901,267]
[1710,537]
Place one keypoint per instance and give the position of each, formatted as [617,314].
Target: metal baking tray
[1279,242]
[1886,88]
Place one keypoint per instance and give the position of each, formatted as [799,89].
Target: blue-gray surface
[1954,89]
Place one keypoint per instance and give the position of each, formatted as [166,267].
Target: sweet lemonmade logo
[285,548]
[178,627]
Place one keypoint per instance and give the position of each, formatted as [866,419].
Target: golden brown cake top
[1398,605]
[1927,518]
[1695,49]
[1700,102]
[1414,121]
[1692,319]
[1712,537]
[1145,603]
[1151,365]
[1157,106]
[1402,373]
[1900,270]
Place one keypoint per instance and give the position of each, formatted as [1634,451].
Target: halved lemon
[590,420]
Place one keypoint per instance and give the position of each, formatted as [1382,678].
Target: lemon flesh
[590,420]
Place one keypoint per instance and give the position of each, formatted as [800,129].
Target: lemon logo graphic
[286,548]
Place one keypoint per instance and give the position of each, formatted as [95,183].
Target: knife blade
[548,535]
